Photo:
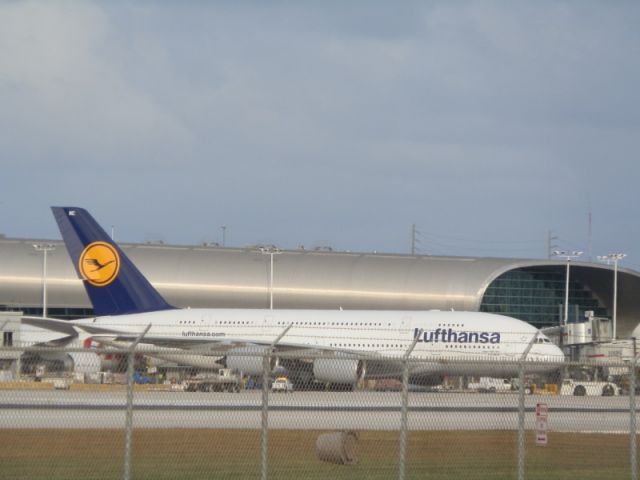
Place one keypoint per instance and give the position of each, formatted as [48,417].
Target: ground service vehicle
[282,384]
[491,385]
[581,388]
[223,381]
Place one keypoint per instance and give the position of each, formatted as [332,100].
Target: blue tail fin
[114,285]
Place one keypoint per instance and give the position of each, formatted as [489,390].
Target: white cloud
[455,115]
[66,95]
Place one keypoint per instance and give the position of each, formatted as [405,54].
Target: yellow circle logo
[99,264]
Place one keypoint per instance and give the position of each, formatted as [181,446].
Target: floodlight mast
[568,256]
[44,248]
[270,250]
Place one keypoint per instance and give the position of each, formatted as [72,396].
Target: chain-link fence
[141,412]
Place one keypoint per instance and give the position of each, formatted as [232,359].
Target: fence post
[266,373]
[521,418]
[404,409]
[521,408]
[266,363]
[128,423]
[632,420]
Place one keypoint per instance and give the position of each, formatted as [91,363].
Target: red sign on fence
[542,414]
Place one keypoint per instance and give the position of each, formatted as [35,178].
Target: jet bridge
[9,358]
[10,327]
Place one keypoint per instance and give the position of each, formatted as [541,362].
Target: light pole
[615,257]
[271,251]
[44,248]
[568,256]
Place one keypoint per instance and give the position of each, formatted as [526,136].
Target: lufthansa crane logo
[99,264]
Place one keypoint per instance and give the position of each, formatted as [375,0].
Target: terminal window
[7,339]
[536,295]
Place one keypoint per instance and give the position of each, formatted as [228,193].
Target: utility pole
[589,233]
[414,238]
[224,234]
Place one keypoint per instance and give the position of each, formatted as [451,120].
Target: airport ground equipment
[491,385]
[581,388]
[223,381]
[282,385]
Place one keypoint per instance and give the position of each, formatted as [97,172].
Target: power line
[472,240]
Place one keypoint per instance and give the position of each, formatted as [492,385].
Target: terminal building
[258,277]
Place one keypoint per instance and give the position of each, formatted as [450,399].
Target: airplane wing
[377,365]
[209,346]
[194,345]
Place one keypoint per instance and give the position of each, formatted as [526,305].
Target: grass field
[235,454]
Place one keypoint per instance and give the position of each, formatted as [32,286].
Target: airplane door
[406,323]
[205,322]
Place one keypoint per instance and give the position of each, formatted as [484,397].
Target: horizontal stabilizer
[52,324]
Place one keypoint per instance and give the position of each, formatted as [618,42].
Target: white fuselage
[489,340]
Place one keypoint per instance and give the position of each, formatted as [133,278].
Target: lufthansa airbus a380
[125,304]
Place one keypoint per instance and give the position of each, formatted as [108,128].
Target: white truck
[491,385]
[580,388]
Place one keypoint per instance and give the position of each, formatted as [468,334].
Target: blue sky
[486,124]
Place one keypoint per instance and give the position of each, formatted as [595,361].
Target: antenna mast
[589,231]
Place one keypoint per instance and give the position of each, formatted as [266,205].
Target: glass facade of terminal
[536,295]
[61,313]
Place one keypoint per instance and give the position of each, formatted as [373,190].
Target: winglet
[114,285]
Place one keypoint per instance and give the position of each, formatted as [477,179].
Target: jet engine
[338,370]
[239,359]
[85,362]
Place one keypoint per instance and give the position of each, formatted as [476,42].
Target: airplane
[341,346]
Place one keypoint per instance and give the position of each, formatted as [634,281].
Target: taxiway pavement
[308,410]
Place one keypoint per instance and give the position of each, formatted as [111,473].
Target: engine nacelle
[338,370]
[248,364]
[85,362]
[204,362]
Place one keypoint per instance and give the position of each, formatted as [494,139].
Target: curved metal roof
[201,276]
